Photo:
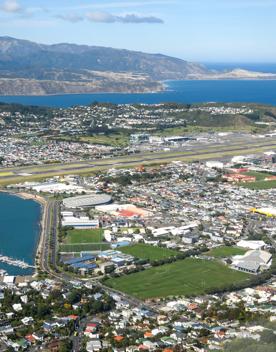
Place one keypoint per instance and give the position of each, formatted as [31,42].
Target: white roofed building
[251,244]
[252,261]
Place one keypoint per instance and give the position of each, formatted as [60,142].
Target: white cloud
[11,6]
[106,17]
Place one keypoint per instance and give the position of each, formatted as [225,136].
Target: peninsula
[28,68]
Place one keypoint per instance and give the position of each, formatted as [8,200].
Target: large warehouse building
[88,200]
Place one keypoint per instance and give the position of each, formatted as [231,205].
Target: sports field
[145,251]
[84,236]
[260,185]
[225,251]
[259,175]
[182,278]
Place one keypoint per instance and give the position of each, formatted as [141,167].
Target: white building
[252,261]
[214,164]
[56,188]
[251,244]
[80,223]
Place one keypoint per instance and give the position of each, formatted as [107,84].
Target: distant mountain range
[28,68]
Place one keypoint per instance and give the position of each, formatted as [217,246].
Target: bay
[251,91]
[19,231]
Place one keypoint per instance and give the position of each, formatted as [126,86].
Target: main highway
[48,240]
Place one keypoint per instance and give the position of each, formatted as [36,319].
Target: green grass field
[259,185]
[182,278]
[145,251]
[260,176]
[114,139]
[84,247]
[84,236]
[225,251]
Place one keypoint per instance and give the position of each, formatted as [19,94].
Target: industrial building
[88,200]
[56,187]
[85,263]
[82,222]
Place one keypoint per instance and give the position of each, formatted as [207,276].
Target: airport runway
[190,153]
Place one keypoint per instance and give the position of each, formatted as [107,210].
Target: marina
[15,262]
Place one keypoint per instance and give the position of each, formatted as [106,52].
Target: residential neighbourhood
[45,135]
[126,222]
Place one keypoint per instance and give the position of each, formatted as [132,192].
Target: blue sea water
[177,91]
[19,231]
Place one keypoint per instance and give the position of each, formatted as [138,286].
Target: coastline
[43,203]
[165,87]
[160,87]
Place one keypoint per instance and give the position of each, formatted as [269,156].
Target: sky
[194,30]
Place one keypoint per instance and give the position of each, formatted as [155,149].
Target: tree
[65,346]
[74,297]
[42,311]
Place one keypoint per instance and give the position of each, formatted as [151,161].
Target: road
[49,235]
[46,235]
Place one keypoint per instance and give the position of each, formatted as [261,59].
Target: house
[93,345]
[17,307]
[27,320]
[31,339]
[38,337]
